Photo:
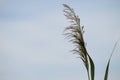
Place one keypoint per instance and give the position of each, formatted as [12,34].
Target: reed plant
[74,32]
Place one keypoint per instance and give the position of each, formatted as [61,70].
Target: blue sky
[32,45]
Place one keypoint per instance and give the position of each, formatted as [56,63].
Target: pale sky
[33,47]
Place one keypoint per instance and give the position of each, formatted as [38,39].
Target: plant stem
[88,74]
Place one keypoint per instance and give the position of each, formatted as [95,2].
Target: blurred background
[33,47]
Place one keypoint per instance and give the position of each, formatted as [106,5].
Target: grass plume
[75,33]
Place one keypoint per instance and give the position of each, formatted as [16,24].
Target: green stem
[88,75]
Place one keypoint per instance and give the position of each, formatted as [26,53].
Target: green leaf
[107,67]
[106,71]
[92,67]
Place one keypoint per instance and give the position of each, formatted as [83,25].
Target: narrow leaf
[106,71]
[92,67]
[107,67]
